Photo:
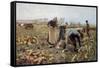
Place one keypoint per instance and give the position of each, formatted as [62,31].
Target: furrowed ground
[32,47]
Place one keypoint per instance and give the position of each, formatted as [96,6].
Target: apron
[53,36]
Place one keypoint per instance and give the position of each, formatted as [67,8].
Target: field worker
[73,37]
[52,35]
[87,28]
[62,30]
[61,42]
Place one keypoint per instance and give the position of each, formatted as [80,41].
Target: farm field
[32,47]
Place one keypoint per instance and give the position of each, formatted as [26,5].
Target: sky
[25,11]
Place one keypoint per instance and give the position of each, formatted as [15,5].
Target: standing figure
[52,34]
[61,42]
[87,28]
